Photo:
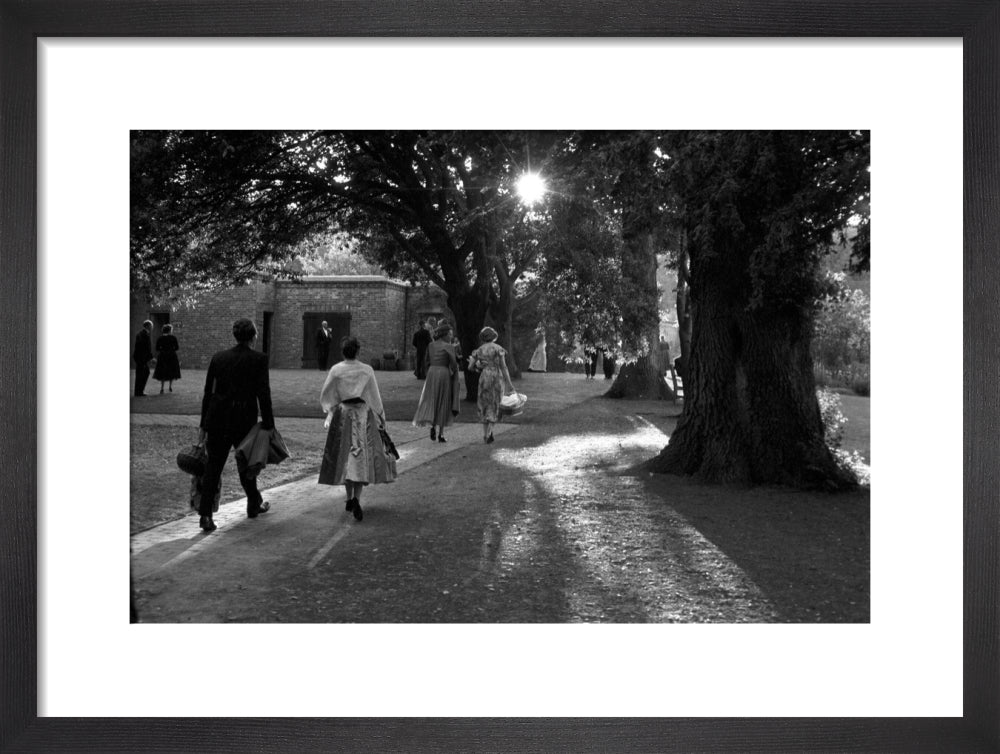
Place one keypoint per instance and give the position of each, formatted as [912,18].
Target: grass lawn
[160,491]
[857,431]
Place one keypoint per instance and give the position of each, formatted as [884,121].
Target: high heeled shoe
[358,513]
[350,504]
[441,438]
[433,434]
[207,524]
[490,438]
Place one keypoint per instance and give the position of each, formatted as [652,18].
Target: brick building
[382,313]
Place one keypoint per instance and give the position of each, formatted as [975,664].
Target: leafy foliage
[333,252]
[842,334]
[774,198]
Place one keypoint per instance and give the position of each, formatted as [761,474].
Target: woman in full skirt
[439,400]
[354,455]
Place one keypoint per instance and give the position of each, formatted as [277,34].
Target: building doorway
[339,324]
[159,320]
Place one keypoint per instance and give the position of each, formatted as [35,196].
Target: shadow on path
[544,526]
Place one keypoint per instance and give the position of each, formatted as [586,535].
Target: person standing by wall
[168,366]
[439,400]
[421,340]
[323,338]
[142,354]
[354,455]
[237,382]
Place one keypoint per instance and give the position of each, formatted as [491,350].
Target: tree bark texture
[640,379]
[750,414]
[643,378]
[469,308]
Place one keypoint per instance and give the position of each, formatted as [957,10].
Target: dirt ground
[547,525]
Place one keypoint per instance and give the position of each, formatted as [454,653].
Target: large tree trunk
[643,378]
[502,314]
[469,307]
[640,379]
[683,305]
[750,415]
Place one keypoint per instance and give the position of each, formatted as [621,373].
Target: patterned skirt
[354,450]
[491,386]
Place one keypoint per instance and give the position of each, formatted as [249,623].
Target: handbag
[388,444]
[192,460]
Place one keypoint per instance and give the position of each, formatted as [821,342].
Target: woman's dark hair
[167,329]
[350,346]
[244,330]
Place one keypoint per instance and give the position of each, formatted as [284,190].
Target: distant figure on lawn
[439,400]
[323,339]
[237,382]
[421,340]
[609,363]
[538,361]
[590,354]
[168,366]
[354,455]
[494,379]
[142,354]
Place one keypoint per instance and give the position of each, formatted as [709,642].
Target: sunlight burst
[531,188]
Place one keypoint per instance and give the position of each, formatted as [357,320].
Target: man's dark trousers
[141,378]
[218,448]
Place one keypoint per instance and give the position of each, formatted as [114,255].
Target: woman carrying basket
[494,379]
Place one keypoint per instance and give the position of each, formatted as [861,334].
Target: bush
[833,432]
[376,364]
[842,337]
[833,418]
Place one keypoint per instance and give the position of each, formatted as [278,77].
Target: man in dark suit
[236,382]
[142,354]
[421,339]
[323,338]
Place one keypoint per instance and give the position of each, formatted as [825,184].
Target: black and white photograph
[510,376]
[497,391]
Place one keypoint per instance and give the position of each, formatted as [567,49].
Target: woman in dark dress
[168,367]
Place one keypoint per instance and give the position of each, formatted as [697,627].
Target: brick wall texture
[380,312]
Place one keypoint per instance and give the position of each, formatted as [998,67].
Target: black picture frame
[977,22]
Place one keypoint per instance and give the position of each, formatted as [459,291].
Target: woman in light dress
[538,361]
[494,379]
[354,455]
[439,399]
